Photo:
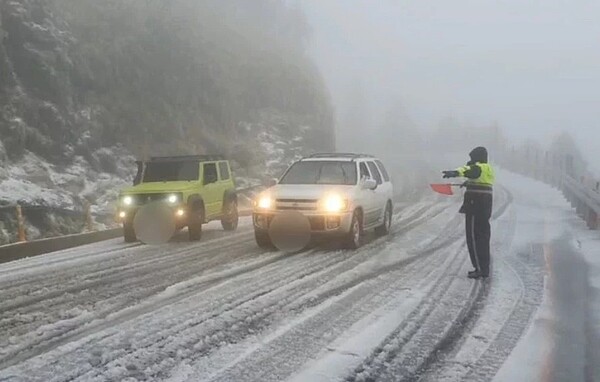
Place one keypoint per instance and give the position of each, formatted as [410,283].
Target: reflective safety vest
[485,181]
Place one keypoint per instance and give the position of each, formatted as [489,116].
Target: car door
[224,182]
[368,197]
[379,194]
[387,187]
[210,182]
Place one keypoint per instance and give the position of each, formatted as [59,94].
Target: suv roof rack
[200,158]
[340,155]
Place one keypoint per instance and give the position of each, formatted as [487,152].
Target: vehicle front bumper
[180,214]
[320,223]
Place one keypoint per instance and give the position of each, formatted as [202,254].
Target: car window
[386,176]
[375,172]
[140,171]
[171,171]
[364,171]
[210,173]
[321,172]
[224,171]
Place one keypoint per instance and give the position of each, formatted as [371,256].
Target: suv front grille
[296,204]
[141,199]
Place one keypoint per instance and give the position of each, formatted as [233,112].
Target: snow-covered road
[400,308]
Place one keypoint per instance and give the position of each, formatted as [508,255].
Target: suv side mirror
[369,184]
[271,183]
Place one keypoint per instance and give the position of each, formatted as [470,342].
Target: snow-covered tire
[195,224]
[263,240]
[129,233]
[354,238]
[384,229]
[231,216]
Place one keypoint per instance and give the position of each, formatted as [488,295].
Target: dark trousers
[478,240]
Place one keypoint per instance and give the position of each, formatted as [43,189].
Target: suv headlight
[127,200]
[172,199]
[264,202]
[334,203]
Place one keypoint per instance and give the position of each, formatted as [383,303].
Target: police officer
[477,207]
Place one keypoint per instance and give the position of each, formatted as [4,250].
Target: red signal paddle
[444,188]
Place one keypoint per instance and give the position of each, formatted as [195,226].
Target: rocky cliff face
[86,86]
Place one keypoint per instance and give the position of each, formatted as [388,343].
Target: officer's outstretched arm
[471,172]
[450,174]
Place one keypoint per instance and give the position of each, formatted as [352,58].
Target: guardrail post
[21,224]
[89,222]
[592,220]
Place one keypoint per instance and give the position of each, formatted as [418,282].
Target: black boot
[472,272]
[478,275]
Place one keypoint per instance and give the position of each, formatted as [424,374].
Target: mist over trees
[354,120]
[155,76]
[88,85]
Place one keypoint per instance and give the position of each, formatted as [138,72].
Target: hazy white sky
[532,66]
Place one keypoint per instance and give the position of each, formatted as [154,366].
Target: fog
[531,67]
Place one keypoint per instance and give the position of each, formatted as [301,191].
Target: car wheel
[263,240]
[355,236]
[195,225]
[129,233]
[231,216]
[384,229]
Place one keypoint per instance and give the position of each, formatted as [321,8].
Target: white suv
[340,195]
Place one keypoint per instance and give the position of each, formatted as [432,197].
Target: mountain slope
[86,86]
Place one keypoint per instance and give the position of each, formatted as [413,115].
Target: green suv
[197,189]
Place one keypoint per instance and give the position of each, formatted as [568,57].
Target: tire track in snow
[532,284]
[286,304]
[411,343]
[315,300]
[311,334]
[398,358]
[499,322]
[72,294]
[154,284]
[489,317]
[111,259]
[112,318]
[410,220]
[182,255]
[259,319]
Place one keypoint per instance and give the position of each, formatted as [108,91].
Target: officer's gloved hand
[450,174]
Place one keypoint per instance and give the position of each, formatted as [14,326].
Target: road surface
[398,309]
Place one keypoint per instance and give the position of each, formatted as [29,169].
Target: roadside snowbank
[562,340]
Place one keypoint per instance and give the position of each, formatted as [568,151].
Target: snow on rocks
[34,181]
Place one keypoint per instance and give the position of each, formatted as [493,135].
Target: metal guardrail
[21,211]
[24,248]
[16,251]
[585,201]
[560,171]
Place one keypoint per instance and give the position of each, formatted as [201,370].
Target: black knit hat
[479,154]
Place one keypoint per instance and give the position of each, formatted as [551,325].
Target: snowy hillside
[86,88]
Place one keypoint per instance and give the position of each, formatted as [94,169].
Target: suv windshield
[171,171]
[321,172]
